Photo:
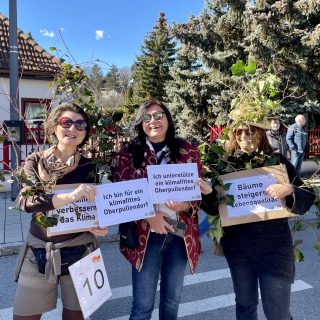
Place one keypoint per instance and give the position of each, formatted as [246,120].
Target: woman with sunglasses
[261,253]
[38,271]
[159,252]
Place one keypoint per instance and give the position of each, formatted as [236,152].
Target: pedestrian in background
[297,141]
[277,138]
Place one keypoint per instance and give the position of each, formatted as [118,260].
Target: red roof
[34,61]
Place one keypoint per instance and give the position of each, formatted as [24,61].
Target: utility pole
[14,87]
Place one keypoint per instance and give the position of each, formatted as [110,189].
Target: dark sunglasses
[248,131]
[156,116]
[66,123]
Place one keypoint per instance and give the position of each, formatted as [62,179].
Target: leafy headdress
[255,95]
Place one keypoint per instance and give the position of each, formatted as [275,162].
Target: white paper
[91,282]
[176,182]
[123,201]
[250,196]
[75,216]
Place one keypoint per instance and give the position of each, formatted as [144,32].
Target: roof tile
[33,59]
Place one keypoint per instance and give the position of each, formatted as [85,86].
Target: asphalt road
[207,295]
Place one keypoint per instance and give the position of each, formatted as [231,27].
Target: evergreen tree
[281,35]
[188,101]
[112,79]
[213,39]
[150,71]
[286,35]
[96,78]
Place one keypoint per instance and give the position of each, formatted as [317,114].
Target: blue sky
[109,30]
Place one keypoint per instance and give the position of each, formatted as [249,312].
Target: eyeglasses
[156,116]
[66,123]
[248,131]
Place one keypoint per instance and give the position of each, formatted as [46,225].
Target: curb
[8,249]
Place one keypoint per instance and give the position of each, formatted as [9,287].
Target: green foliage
[283,38]
[150,71]
[255,94]
[112,79]
[215,231]
[298,255]
[42,220]
[96,77]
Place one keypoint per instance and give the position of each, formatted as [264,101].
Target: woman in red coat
[158,251]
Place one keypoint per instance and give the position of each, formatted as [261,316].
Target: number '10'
[99,286]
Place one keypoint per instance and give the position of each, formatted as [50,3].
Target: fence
[313,144]
[312,150]
[35,142]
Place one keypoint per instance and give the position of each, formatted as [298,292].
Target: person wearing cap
[297,141]
[260,254]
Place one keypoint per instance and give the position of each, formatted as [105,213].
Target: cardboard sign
[251,201]
[90,281]
[75,216]
[123,201]
[176,182]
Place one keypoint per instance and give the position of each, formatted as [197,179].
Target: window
[34,113]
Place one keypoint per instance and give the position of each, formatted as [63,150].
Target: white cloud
[99,34]
[47,33]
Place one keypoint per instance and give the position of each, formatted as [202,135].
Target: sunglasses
[156,116]
[247,131]
[66,123]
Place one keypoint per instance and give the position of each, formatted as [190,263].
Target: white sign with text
[123,201]
[74,217]
[90,281]
[176,182]
[250,195]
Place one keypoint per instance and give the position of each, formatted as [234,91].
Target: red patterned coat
[124,170]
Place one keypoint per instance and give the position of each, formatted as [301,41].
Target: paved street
[207,295]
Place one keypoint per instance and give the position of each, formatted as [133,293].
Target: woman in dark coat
[261,253]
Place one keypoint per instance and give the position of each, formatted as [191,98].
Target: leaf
[237,68]
[248,166]
[225,134]
[202,148]
[298,255]
[272,161]
[217,149]
[216,231]
[67,66]
[229,199]
[52,48]
[227,186]
[251,67]
[298,226]
[262,86]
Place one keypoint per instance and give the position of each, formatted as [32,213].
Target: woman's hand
[83,191]
[101,232]
[279,190]
[158,224]
[178,206]
[205,187]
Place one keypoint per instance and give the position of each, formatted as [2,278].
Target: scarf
[50,168]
